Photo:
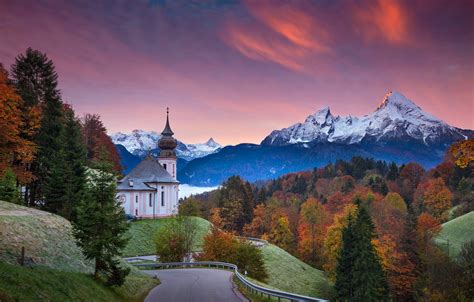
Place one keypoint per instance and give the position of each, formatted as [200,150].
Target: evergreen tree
[344,284]
[36,80]
[100,225]
[393,172]
[75,155]
[359,273]
[8,188]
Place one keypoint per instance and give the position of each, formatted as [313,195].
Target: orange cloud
[257,47]
[386,18]
[283,34]
[293,23]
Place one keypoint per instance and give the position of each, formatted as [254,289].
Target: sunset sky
[236,70]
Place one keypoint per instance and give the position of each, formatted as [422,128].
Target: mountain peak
[212,143]
[396,119]
[397,100]
[321,116]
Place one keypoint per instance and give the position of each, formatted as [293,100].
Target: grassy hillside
[60,272]
[47,239]
[291,274]
[142,235]
[458,231]
[45,284]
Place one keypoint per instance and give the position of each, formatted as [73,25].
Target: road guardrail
[252,287]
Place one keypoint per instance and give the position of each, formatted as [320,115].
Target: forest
[368,224]
[56,161]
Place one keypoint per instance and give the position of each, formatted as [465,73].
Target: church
[151,189]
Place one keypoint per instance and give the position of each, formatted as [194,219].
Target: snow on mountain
[397,118]
[139,142]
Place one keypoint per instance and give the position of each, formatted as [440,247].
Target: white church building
[151,189]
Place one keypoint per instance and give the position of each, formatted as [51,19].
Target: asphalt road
[194,285]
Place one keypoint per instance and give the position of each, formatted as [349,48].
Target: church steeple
[167,142]
[167,131]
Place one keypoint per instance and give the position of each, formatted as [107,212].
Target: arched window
[136,198]
[162,198]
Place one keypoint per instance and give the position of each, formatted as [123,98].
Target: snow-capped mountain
[139,142]
[396,119]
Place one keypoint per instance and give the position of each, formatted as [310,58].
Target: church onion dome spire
[167,131]
[167,142]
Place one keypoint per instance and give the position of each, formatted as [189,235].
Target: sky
[236,70]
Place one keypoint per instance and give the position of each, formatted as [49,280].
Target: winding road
[194,285]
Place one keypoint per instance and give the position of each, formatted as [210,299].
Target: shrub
[223,246]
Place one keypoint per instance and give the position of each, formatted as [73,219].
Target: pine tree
[8,188]
[36,81]
[359,273]
[75,154]
[100,225]
[344,284]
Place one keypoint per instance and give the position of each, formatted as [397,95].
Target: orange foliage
[260,223]
[462,153]
[311,230]
[13,148]
[434,197]
[333,241]
[215,217]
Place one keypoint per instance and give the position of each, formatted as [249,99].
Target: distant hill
[457,232]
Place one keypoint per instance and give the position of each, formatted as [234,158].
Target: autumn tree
[236,201]
[14,148]
[311,230]
[410,176]
[97,141]
[462,153]
[260,225]
[174,242]
[223,246]
[434,197]
[333,240]
[281,234]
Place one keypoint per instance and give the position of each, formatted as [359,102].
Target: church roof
[149,170]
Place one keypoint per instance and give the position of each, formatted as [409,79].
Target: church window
[164,166]
[162,198]
[136,198]
[151,196]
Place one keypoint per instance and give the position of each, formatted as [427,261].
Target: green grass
[254,297]
[60,272]
[290,274]
[458,231]
[142,235]
[47,239]
[45,284]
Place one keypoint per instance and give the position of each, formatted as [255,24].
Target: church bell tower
[167,145]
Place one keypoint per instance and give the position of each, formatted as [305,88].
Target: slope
[58,270]
[142,235]
[290,274]
[455,233]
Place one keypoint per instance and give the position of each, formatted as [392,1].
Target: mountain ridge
[397,117]
[140,142]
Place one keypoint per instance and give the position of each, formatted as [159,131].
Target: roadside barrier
[252,287]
